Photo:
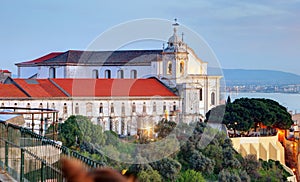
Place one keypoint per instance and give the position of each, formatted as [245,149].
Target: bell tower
[175,58]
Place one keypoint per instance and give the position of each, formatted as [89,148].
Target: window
[154,106]
[164,107]
[213,98]
[112,109]
[101,108]
[41,105]
[89,109]
[28,105]
[52,72]
[200,94]
[144,107]
[133,74]
[16,104]
[65,109]
[133,107]
[76,108]
[53,106]
[123,108]
[169,68]
[181,67]
[107,74]
[174,106]
[95,74]
[120,74]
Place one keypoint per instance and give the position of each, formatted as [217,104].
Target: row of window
[181,68]
[212,97]
[89,107]
[95,73]
[133,107]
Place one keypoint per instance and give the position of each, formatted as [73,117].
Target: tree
[251,165]
[164,128]
[190,176]
[167,167]
[149,176]
[201,163]
[80,131]
[246,113]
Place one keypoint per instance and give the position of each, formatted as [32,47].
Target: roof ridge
[59,87]
[17,85]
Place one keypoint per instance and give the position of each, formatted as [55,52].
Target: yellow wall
[264,148]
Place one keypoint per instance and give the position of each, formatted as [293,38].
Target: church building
[188,92]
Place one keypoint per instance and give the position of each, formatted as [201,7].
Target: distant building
[4,74]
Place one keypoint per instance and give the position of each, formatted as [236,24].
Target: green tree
[190,176]
[149,176]
[79,131]
[164,127]
[167,167]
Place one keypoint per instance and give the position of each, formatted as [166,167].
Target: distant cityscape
[292,89]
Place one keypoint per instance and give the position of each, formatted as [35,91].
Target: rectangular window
[200,94]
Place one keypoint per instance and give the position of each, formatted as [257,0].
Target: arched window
[76,108]
[53,106]
[154,107]
[169,68]
[164,107]
[144,107]
[133,74]
[213,99]
[200,94]
[65,109]
[174,106]
[95,74]
[52,72]
[181,67]
[133,107]
[101,108]
[89,109]
[120,74]
[123,108]
[112,108]
[107,74]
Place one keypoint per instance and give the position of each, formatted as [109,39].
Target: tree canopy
[246,113]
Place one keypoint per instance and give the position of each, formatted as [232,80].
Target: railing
[27,156]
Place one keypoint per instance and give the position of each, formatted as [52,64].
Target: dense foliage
[246,113]
[217,161]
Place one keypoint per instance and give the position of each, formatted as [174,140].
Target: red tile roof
[113,87]
[85,88]
[10,90]
[41,59]
[5,71]
[39,88]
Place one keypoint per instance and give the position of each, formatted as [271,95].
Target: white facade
[119,114]
[177,66]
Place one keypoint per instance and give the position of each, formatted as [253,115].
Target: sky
[254,34]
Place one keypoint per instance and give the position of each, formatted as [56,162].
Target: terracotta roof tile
[113,87]
[10,90]
[39,88]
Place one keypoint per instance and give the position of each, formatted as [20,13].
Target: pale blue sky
[256,34]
